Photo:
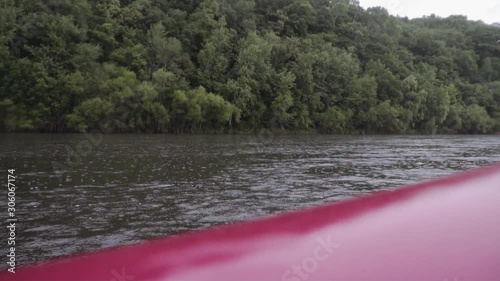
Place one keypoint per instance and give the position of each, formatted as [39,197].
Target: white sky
[485,10]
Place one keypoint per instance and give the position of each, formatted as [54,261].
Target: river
[77,194]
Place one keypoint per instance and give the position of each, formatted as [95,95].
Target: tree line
[201,66]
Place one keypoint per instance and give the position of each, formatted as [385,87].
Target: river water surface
[129,188]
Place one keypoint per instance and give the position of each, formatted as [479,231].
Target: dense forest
[204,66]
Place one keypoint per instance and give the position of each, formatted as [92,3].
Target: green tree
[200,66]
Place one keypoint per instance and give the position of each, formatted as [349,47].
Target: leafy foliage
[213,66]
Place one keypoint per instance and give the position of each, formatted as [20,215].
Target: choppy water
[128,188]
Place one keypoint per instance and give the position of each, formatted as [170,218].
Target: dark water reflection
[133,187]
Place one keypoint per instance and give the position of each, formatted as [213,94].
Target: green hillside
[242,65]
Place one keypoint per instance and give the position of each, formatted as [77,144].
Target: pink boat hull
[447,229]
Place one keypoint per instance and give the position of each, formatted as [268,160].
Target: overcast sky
[485,10]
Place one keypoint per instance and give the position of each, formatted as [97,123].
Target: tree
[385,118]
[240,65]
[215,60]
[89,114]
[476,120]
